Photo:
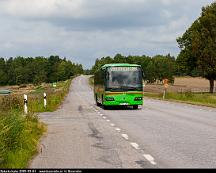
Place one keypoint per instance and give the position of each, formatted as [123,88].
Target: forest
[21,70]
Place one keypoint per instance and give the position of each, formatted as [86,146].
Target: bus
[119,85]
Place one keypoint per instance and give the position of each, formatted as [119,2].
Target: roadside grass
[20,134]
[36,100]
[54,97]
[19,138]
[202,99]
[91,81]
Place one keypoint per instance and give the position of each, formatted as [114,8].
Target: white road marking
[108,120]
[118,129]
[125,136]
[112,124]
[149,158]
[104,117]
[100,114]
[135,145]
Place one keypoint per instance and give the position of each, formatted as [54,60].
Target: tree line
[21,70]
[155,68]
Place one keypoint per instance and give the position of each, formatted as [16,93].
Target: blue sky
[83,30]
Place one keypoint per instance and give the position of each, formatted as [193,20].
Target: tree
[165,67]
[198,46]
[151,73]
[3,74]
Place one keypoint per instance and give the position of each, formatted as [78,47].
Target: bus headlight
[109,99]
[138,99]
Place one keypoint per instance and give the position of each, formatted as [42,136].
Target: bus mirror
[143,75]
[107,75]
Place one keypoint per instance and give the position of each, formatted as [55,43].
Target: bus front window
[124,78]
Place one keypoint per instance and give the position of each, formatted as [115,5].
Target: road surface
[160,134]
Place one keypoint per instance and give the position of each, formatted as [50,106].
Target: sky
[83,30]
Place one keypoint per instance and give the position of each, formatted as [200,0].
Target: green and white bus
[119,84]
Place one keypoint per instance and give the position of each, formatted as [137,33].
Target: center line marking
[100,114]
[125,136]
[135,145]
[108,120]
[149,158]
[112,124]
[104,117]
[118,129]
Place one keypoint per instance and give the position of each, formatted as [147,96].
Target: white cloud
[84,30]
[169,2]
[42,8]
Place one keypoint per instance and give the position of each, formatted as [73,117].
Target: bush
[11,102]
[18,138]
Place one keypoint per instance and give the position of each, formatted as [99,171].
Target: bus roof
[120,65]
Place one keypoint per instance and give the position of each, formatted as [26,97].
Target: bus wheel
[97,103]
[135,107]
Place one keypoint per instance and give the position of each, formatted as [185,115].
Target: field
[182,84]
[185,89]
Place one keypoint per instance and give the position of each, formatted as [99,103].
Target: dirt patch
[24,89]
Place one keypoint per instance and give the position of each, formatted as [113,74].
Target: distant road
[161,134]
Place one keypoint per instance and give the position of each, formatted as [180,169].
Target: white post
[45,102]
[25,104]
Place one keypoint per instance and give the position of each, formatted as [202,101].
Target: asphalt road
[159,134]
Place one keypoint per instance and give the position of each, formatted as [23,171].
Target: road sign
[165,81]
[166,85]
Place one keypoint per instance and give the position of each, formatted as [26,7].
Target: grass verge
[202,99]
[54,97]
[19,138]
[20,133]
[91,81]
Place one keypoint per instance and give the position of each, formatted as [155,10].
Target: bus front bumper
[123,100]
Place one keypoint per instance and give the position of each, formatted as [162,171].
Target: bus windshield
[124,78]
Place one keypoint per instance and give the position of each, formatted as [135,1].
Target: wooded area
[155,68]
[21,70]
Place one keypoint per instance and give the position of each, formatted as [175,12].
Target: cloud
[84,30]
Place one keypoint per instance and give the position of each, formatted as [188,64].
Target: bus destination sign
[124,69]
